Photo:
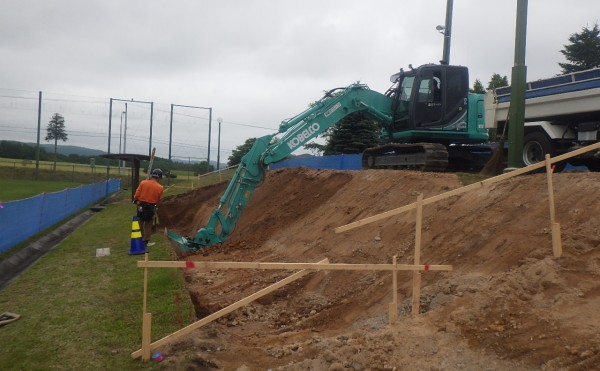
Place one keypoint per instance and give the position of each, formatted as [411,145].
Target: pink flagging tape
[426,267]
[189,264]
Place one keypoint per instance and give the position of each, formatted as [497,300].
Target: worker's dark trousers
[146,227]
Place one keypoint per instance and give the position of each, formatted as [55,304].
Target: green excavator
[427,118]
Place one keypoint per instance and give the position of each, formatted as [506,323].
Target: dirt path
[506,305]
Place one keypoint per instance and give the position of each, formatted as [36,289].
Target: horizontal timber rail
[292,266]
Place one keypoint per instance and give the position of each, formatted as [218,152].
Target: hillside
[506,305]
[66,150]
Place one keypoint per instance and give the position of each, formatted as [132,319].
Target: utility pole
[516,115]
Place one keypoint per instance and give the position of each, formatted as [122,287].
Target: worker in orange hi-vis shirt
[146,196]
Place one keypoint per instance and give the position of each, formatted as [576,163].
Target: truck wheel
[535,148]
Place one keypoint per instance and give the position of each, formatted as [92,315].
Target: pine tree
[240,151]
[583,52]
[477,87]
[56,131]
[351,135]
[497,81]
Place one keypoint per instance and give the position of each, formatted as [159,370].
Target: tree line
[27,152]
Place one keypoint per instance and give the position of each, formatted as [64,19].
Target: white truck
[562,113]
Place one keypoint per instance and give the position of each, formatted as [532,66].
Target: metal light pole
[219,120]
[110,122]
[446,31]
[209,129]
[170,130]
[125,131]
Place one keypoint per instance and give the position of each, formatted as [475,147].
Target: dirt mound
[506,305]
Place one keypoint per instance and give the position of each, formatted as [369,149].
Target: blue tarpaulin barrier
[346,162]
[21,219]
[337,162]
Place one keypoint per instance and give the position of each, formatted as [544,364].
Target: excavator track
[416,156]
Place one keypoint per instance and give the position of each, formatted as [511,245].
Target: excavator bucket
[182,242]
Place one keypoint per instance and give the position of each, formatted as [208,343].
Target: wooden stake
[418,227]
[146,336]
[393,307]
[556,239]
[145,285]
[550,189]
[416,299]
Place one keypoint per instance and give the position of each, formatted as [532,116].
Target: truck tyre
[536,146]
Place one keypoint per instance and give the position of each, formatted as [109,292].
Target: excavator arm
[295,133]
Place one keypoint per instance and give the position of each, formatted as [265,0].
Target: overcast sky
[254,62]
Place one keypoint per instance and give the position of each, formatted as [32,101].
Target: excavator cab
[430,97]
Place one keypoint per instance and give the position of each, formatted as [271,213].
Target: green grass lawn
[82,312]
[15,189]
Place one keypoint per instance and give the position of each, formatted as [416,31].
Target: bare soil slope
[508,304]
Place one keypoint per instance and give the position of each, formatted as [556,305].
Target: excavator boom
[295,133]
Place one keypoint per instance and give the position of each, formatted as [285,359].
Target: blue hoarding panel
[21,219]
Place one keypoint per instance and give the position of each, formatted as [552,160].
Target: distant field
[48,165]
[14,189]
[18,179]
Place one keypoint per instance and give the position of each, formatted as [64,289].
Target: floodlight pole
[109,133]
[110,124]
[125,132]
[209,130]
[170,131]
[151,117]
[219,120]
